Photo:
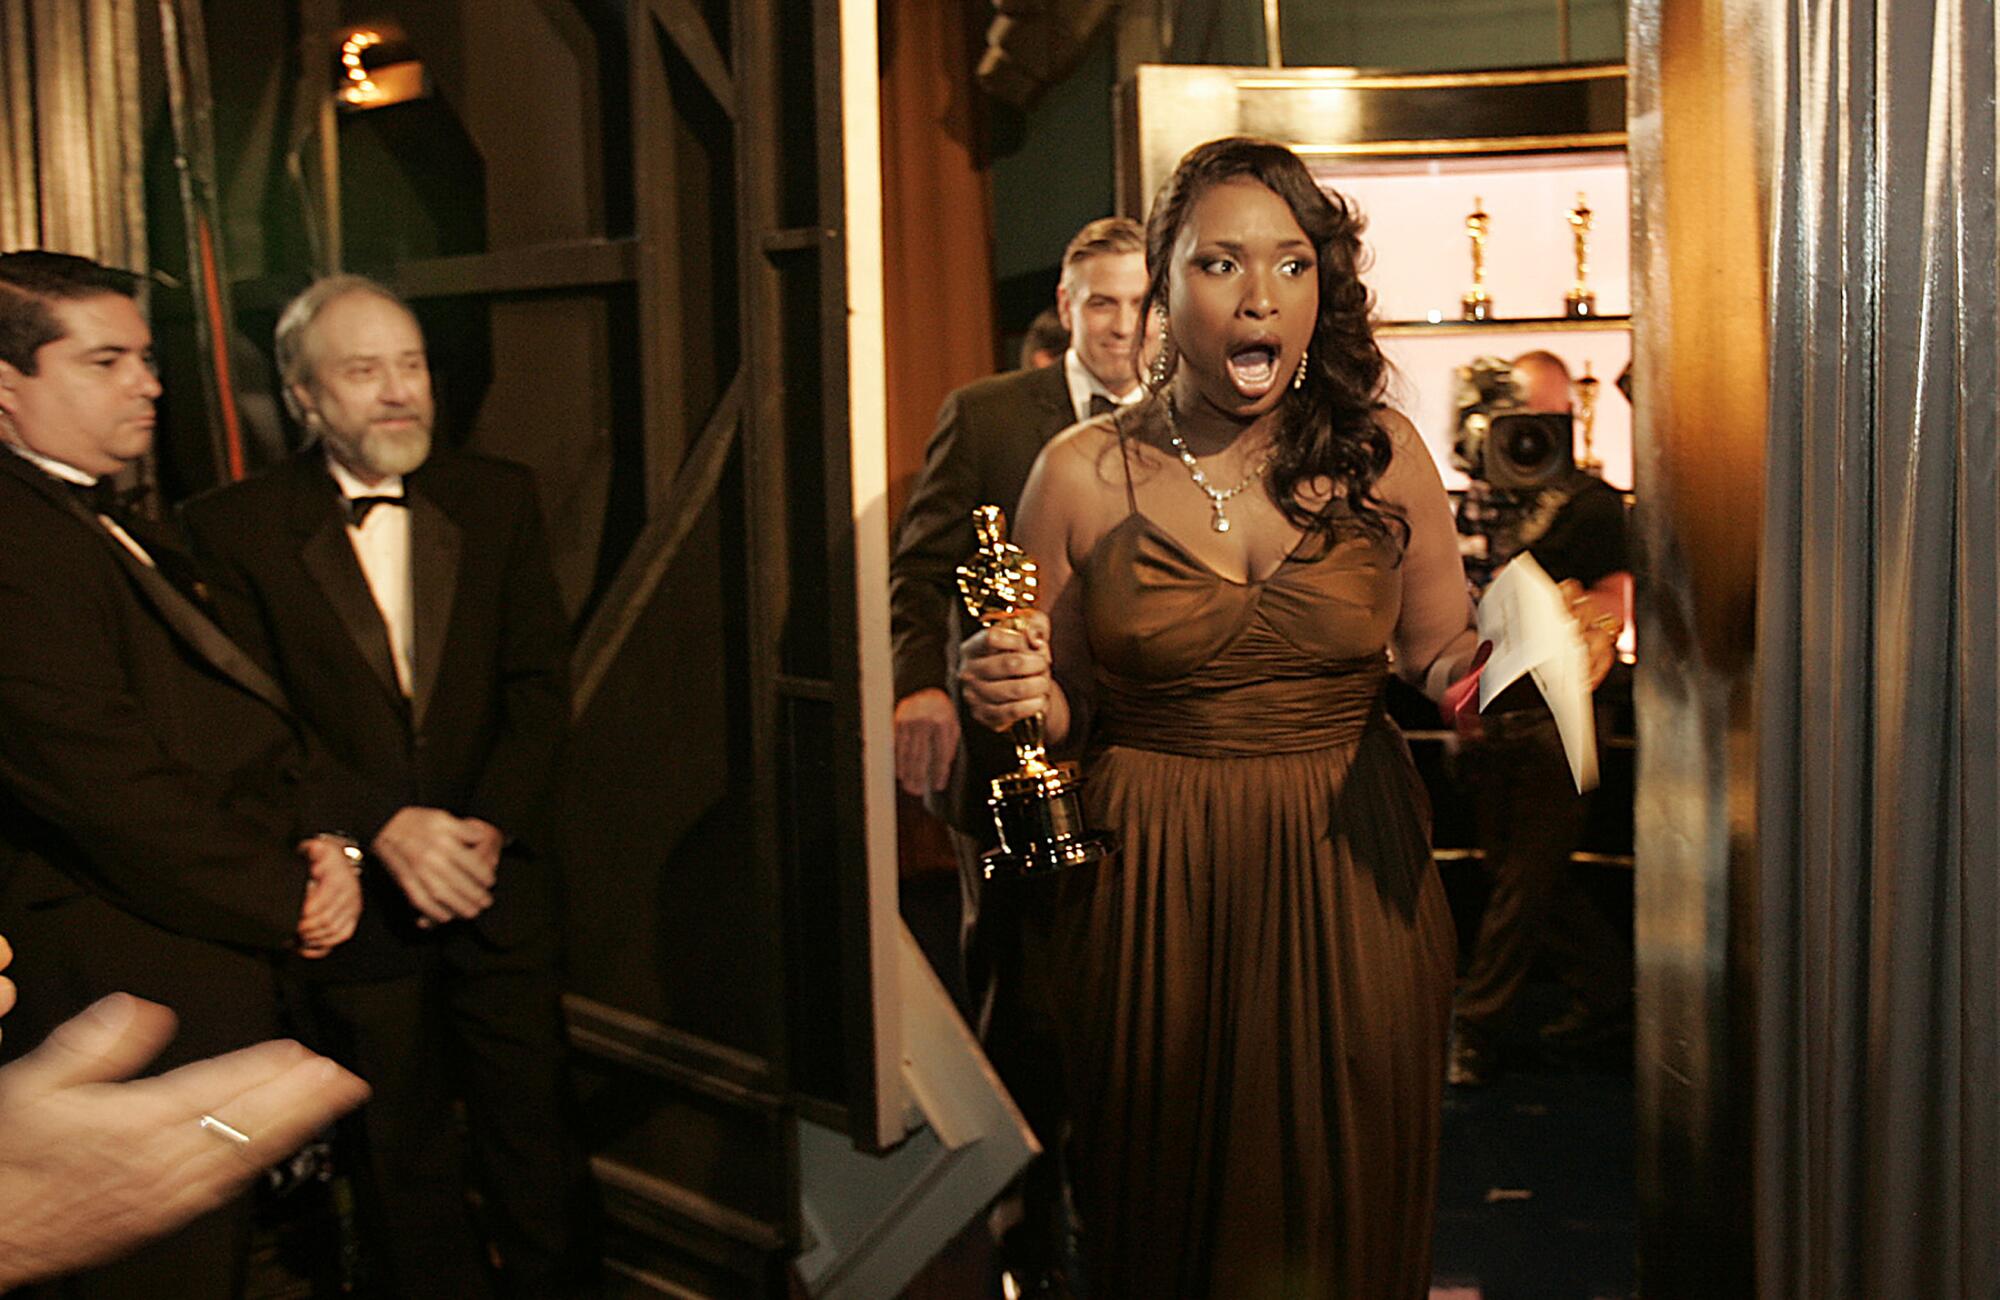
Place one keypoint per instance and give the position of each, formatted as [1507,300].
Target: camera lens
[1528,450]
[1527,445]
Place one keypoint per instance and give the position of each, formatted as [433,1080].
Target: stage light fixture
[378,67]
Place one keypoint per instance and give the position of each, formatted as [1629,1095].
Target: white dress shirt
[1083,386]
[382,545]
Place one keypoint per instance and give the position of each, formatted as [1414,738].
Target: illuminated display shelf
[1417,264]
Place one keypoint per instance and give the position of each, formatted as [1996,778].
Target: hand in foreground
[90,1167]
[1004,671]
[333,899]
[446,866]
[1598,624]
[926,740]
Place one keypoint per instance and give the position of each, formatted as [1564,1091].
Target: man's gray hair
[296,321]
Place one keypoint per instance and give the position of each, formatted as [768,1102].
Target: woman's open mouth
[1253,368]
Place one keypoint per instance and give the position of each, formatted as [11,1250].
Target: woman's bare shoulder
[1077,488]
[1083,459]
[1412,468]
[1403,436]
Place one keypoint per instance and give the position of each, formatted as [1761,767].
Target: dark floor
[1535,1180]
[1535,1191]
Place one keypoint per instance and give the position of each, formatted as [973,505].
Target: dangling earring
[1160,359]
[1299,380]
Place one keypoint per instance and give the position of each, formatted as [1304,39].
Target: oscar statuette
[1036,807]
[1586,419]
[1580,302]
[1477,303]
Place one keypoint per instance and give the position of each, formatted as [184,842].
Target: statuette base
[1039,815]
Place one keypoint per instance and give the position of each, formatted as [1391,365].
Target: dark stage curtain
[937,223]
[937,228]
[1878,1096]
[70,131]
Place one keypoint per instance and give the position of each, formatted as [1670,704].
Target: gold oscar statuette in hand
[1037,810]
[1477,303]
[1580,302]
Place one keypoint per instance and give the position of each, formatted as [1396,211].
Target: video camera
[1502,442]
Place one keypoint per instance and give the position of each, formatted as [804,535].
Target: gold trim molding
[1352,79]
[1480,145]
[1345,113]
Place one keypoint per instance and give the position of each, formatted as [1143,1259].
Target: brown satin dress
[1257,989]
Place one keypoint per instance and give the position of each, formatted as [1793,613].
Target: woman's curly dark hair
[1328,427]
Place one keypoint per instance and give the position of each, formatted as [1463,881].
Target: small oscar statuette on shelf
[1036,807]
[1580,302]
[1477,303]
[1586,417]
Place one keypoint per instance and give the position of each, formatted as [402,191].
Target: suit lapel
[178,612]
[434,550]
[1053,395]
[329,557]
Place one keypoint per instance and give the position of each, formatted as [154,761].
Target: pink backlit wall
[1421,266]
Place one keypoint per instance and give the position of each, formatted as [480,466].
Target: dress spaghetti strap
[1131,499]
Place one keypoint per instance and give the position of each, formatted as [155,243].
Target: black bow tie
[1101,405]
[106,498]
[358,507]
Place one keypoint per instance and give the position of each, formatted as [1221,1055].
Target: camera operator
[1527,494]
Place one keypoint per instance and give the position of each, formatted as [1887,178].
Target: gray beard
[383,455]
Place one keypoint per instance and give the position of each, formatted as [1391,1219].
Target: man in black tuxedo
[988,436]
[405,598]
[158,801]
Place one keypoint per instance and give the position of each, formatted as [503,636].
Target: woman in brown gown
[1258,987]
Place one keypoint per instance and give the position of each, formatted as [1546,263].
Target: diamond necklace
[1217,497]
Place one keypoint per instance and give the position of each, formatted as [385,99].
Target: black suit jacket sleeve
[1586,541]
[157,837]
[332,799]
[934,538]
[517,782]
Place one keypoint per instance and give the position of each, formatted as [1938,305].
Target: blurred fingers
[113,1038]
[474,865]
[911,755]
[1019,666]
[1029,631]
[426,901]
[275,1095]
[999,717]
[943,750]
[461,893]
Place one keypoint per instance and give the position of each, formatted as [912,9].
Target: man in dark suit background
[988,436]
[405,597]
[1531,818]
[158,802]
